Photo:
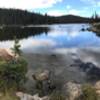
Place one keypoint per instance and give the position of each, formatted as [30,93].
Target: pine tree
[16,49]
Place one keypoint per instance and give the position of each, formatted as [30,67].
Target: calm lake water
[80,49]
[53,40]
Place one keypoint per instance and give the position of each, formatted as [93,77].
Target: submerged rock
[41,76]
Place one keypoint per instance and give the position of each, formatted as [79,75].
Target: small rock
[36,97]
[98,92]
[25,96]
[97,85]
[41,76]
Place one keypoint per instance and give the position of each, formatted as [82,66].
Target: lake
[66,50]
[39,39]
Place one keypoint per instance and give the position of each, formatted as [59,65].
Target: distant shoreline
[23,17]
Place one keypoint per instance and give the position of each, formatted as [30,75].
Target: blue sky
[55,7]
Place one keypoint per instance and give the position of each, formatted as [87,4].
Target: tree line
[23,17]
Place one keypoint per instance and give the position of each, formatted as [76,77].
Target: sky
[84,8]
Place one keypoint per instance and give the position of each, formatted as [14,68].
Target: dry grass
[8,96]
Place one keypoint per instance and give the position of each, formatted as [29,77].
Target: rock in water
[41,76]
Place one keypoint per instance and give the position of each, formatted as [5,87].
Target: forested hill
[72,19]
[22,17]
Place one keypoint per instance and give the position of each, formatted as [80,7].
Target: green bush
[89,93]
[57,95]
[12,73]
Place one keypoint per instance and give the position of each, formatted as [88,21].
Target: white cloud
[28,4]
[37,43]
[43,43]
[56,12]
[63,12]
[74,12]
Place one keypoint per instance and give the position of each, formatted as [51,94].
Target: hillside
[72,19]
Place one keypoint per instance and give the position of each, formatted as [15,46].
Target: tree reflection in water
[8,33]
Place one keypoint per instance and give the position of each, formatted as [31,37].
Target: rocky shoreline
[56,72]
[95,28]
[72,91]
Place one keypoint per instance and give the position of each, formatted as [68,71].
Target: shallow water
[71,53]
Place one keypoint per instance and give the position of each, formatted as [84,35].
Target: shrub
[12,74]
[89,93]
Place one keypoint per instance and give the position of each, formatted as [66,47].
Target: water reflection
[92,71]
[87,60]
[42,40]
[64,36]
[8,33]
